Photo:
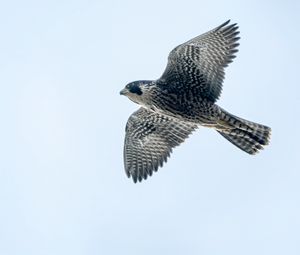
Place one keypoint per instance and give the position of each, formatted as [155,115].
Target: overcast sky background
[63,189]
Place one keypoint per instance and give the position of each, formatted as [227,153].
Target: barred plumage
[149,140]
[246,135]
[182,99]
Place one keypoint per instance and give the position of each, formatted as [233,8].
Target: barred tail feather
[248,136]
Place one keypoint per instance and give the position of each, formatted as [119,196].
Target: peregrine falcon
[183,99]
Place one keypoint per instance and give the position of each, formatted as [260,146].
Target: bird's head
[137,91]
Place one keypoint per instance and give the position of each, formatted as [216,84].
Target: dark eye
[136,90]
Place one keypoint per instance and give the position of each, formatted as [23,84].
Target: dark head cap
[134,87]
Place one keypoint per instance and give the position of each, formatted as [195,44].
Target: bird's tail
[246,135]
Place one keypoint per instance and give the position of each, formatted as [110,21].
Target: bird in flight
[183,99]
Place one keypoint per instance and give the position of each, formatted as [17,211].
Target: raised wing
[197,66]
[149,140]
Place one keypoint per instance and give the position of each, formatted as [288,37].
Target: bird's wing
[197,66]
[149,140]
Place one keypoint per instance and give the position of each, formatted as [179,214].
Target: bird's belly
[201,114]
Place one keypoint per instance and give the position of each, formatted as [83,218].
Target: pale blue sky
[63,189]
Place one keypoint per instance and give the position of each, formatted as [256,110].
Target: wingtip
[225,23]
[235,25]
[134,179]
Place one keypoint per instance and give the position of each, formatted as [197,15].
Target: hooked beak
[123,92]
